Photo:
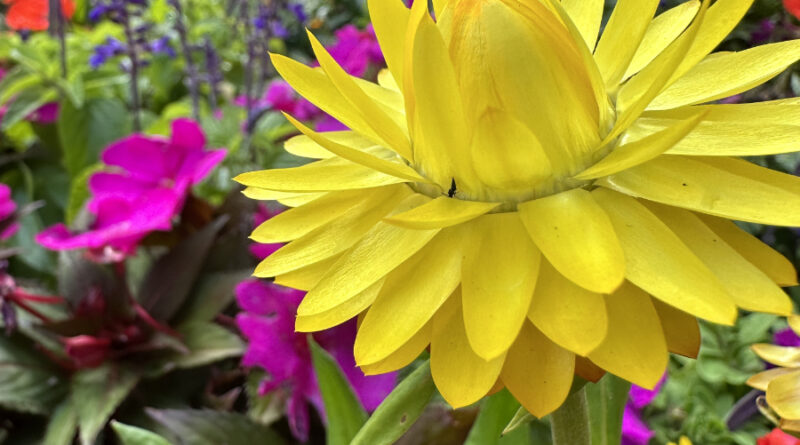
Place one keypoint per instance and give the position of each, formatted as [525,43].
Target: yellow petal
[334,237]
[392,167]
[761,380]
[404,355]
[770,261]
[621,38]
[638,152]
[576,236]
[783,396]
[794,323]
[570,316]
[681,330]
[499,276]
[305,147]
[787,425]
[587,15]
[299,221]
[658,262]
[306,278]
[725,74]
[785,356]
[341,313]
[461,376]
[361,267]
[538,372]
[585,369]
[750,288]
[410,296]
[294,198]
[441,212]
[390,19]
[726,187]
[386,80]
[506,155]
[662,31]
[438,6]
[634,348]
[320,176]
[380,122]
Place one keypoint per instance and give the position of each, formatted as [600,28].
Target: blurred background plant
[123,257]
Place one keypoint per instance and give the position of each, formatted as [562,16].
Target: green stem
[570,423]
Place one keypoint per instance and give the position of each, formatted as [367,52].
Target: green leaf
[84,132]
[172,277]
[212,294]
[131,435]
[206,343]
[28,381]
[16,81]
[607,400]
[79,192]
[344,411]
[496,412]
[26,103]
[96,393]
[755,328]
[205,427]
[264,409]
[521,418]
[62,426]
[399,410]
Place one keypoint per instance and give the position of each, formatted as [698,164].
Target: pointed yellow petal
[306,278]
[621,38]
[410,297]
[461,376]
[726,187]
[783,396]
[320,176]
[725,74]
[662,31]
[784,356]
[386,80]
[404,355]
[658,262]
[294,198]
[634,348]
[499,276]
[390,20]
[334,237]
[299,221]
[571,316]
[576,236]
[587,15]
[361,267]
[393,167]
[750,288]
[380,122]
[538,372]
[305,147]
[438,6]
[770,261]
[638,152]
[441,212]
[761,380]
[681,330]
[340,314]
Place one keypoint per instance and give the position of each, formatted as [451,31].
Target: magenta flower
[634,430]
[8,227]
[144,188]
[268,325]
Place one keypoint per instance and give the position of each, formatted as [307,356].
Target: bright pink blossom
[8,227]
[634,430]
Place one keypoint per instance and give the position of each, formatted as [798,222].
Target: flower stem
[570,423]
[133,55]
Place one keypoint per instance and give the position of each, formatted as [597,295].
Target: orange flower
[33,14]
[793,6]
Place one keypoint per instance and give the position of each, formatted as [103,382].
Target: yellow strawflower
[782,384]
[531,201]
[684,441]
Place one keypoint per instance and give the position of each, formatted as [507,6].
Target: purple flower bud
[297,10]
[96,13]
[278,30]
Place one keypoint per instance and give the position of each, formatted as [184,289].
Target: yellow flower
[684,441]
[531,201]
[782,384]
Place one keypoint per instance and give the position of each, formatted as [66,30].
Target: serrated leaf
[172,277]
[344,412]
[96,393]
[399,410]
[84,132]
[211,295]
[62,426]
[495,414]
[131,435]
[607,399]
[28,381]
[205,427]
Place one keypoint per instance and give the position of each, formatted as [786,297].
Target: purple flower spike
[142,192]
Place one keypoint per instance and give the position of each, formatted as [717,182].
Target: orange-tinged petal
[681,330]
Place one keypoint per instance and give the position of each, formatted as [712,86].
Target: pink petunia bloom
[144,188]
[634,430]
[8,227]
[273,345]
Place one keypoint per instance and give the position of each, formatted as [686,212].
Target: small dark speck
[684,184]
[403,419]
